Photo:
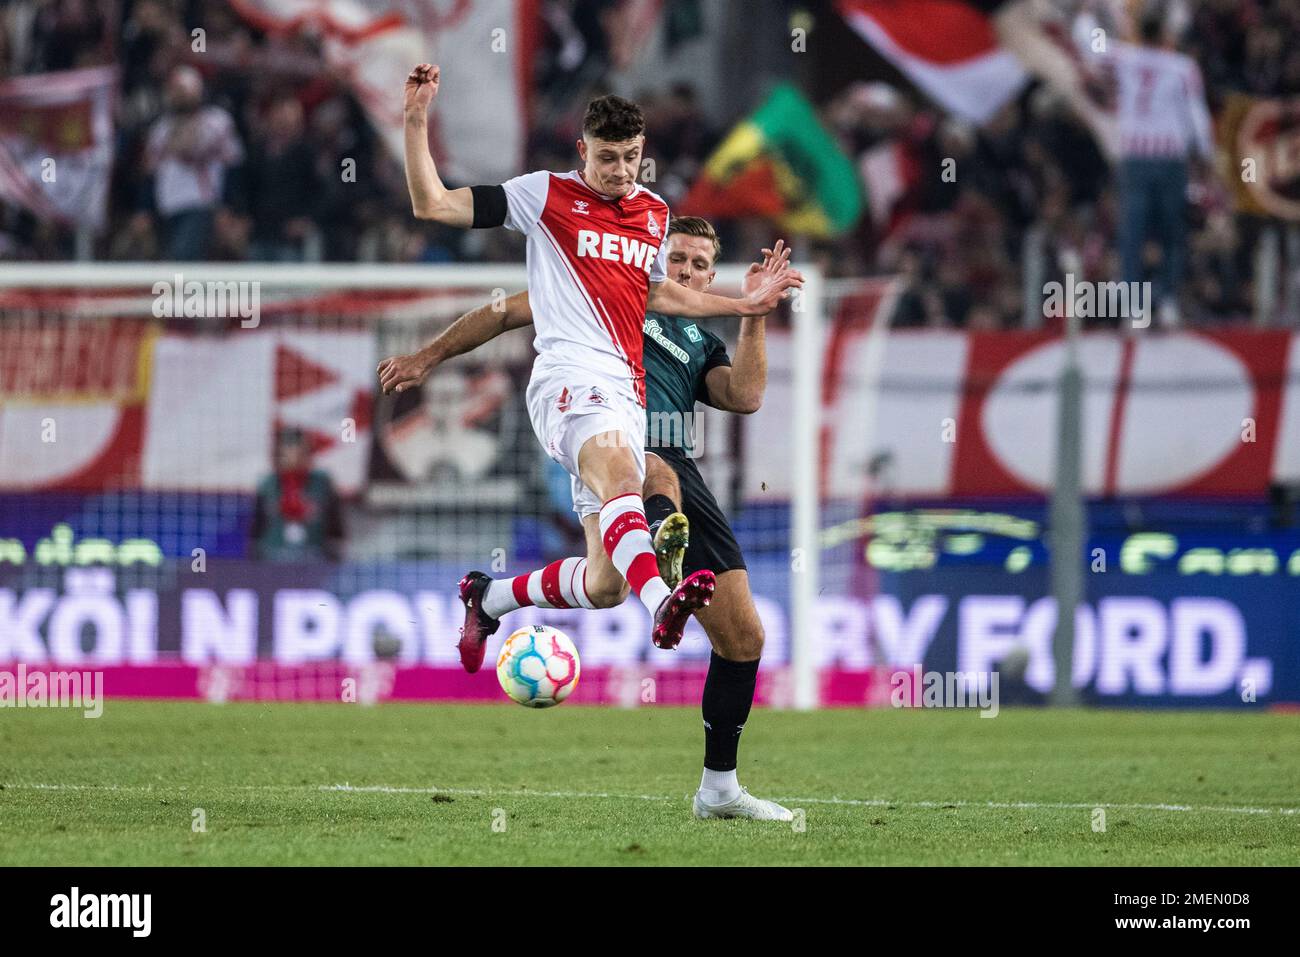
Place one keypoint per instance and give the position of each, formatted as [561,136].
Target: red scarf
[293,504]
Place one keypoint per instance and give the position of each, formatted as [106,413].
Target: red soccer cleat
[694,592]
[478,623]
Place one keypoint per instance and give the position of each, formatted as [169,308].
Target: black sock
[728,695]
[657,508]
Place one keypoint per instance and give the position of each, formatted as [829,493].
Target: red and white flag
[948,48]
[56,143]
[477,127]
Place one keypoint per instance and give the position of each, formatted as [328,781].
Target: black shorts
[713,545]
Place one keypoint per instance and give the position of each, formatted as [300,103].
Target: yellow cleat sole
[671,542]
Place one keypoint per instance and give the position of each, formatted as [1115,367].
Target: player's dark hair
[613,119]
[696,226]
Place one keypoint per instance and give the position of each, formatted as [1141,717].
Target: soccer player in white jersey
[596,259]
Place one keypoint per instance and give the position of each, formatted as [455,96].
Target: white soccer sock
[561,584]
[499,599]
[573,584]
[628,543]
[719,787]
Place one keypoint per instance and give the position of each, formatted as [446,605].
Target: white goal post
[137,281]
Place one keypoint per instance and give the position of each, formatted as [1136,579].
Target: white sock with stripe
[561,584]
[629,546]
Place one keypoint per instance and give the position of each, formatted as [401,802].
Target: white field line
[608,795]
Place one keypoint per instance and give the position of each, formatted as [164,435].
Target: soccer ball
[538,666]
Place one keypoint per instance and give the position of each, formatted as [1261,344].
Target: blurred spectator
[1163,123]
[339,136]
[1030,182]
[575,46]
[188,152]
[281,184]
[151,35]
[68,34]
[298,516]
[230,236]
[679,138]
[134,242]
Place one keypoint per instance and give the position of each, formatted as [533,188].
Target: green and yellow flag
[780,163]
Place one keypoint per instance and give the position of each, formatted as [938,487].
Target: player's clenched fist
[421,87]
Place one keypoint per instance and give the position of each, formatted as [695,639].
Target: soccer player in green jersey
[683,364]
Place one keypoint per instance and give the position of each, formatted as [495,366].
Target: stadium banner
[72,402]
[237,390]
[1186,536]
[1157,639]
[1193,414]
[372,682]
[116,404]
[122,528]
[917,413]
[1262,139]
[56,143]
[484,48]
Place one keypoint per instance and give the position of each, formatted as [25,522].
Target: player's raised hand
[421,87]
[399,373]
[768,284]
[774,261]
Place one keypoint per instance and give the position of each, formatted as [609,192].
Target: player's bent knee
[738,644]
[748,646]
[608,594]
[627,486]
[660,479]
[623,485]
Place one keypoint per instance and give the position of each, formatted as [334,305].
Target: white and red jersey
[1161,104]
[591,260]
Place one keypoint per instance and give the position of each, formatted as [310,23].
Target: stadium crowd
[272,125]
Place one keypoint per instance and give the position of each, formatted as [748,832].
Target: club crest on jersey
[616,248]
[596,397]
[652,225]
[693,333]
[580,206]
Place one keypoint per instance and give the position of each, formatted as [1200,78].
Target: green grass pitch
[427,783]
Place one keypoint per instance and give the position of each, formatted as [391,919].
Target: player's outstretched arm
[739,387]
[399,373]
[674,299]
[430,199]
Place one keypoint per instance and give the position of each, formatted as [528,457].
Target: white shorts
[568,406]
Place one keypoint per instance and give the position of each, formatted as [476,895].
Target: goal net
[197,469]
